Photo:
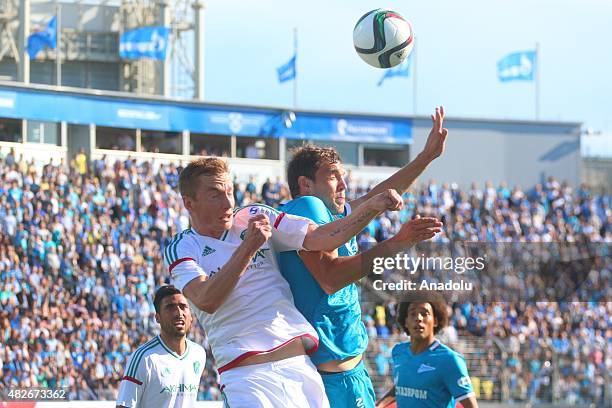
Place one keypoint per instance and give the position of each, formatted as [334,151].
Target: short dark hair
[306,160]
[434,298]
[162,292]
[189,176]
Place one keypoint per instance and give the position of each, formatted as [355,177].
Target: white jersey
[259,315]
[158,377]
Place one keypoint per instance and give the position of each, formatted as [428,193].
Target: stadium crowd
[80,257]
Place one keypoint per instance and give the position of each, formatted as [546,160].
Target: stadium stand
[80,257]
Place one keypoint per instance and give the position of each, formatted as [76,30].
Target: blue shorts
[350,389]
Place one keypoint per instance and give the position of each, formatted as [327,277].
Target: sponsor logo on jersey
[425,368]
[411,392]
[261,253]
[179,388]
[207,250]
[464,382]
[253,210]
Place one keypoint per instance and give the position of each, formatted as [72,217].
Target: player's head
[172,311]
[208,194]
[318,171]
[422,314]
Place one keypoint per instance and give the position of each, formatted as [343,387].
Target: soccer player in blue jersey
[427,373]
[323,284]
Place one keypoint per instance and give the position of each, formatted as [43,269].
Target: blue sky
[459,44]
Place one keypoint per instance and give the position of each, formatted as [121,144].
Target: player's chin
[339,202]
[225,224]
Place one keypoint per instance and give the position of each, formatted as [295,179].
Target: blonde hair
[209,166]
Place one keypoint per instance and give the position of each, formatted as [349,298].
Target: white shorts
[290,383]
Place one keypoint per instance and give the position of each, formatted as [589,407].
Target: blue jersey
[335,317]
[437,377]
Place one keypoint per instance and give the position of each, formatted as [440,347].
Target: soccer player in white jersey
[226,266]
[165,372]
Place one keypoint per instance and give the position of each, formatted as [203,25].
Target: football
[383,38]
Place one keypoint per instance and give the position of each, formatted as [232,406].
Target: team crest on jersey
[207,250]
[464,382]
[165,371]
[425,368]
[196,367]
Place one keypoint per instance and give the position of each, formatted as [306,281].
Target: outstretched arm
[403,178]
[333,273]
[335,234]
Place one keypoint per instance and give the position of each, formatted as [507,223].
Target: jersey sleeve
[133,383]
[180,258]
[457,379]
[312,208]
[395,364]
[288,231]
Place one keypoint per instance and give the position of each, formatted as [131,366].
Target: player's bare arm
[403,178]
[208,294]
[387,399]
[333,272]
[469,402]
[335,234]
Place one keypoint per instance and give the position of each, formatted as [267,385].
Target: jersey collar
[173,353]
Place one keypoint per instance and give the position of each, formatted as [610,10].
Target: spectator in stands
[80,255]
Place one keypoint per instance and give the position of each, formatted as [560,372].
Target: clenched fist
[388,200]
[417,230]
[258,231]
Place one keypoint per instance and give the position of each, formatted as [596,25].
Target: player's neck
[176,344]
[417,346]
[203,230]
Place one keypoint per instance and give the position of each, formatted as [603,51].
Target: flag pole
[537,81]
[414,78]
[295,76]
[58,45]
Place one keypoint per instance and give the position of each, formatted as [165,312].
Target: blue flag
[518,66]
[42,39]
[401,70]
[146,42]
[287,72]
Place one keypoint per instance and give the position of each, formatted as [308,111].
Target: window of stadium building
[161,142]
[43,132]
[257,148]
[210,145]
[386,155]
[349,151]
[115,138]
[10,130]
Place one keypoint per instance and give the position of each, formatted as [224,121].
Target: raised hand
[434,147]
[258,231]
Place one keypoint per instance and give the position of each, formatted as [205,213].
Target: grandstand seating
[80,256]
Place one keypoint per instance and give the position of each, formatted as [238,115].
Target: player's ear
[157,317]
[306,185]
[187,202]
